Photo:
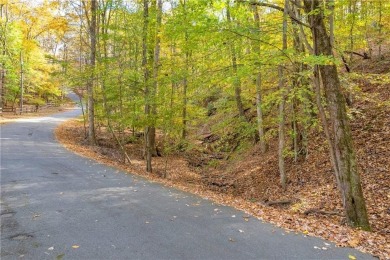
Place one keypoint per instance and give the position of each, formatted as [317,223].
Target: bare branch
[276,7]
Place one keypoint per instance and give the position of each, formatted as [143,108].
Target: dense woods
[233,74]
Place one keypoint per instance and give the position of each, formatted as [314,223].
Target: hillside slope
[249,179]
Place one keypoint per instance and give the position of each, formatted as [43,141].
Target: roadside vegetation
[277,107]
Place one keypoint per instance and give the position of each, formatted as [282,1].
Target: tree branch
[297,4]
[276,7]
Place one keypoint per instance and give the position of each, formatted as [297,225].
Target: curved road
[58,205]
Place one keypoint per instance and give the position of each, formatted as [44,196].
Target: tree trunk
[351,11]
[2,68]
[90,86]
[257,50]
[281,130]
[21,83]
[380,30]
[173,80]
[2,87]
[156,61]
[147,132]
[340,137]
[185,100]
[299,130]
[237,81]
[281,141]
[80,92]
[185,80]
[331,21]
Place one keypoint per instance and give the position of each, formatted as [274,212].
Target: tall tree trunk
[340,137]
[331,21]
[351,12]
[185,79]
[173,80]
[3,14]
[91,81]
[147,134]
[80,93]
[156,60]
[21,82]
[257,50]
[282,88]
[281,140]
[380,30]
[299,131]
[2,85]
[237,81]
[185,98]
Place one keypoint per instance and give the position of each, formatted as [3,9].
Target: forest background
[281,104]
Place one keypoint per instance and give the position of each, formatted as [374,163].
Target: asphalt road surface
[58,205]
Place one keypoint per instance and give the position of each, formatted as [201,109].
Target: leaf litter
[247,183]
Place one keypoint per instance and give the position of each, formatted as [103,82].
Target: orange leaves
[316,190]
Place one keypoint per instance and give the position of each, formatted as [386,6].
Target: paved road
[57,205]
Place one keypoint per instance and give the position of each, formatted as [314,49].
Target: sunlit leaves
[318,60]
[23,52]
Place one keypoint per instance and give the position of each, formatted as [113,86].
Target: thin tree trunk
[351,11]
[331,21]
[173,81]
[281,141]
[324,121]
[147,134]
[185,80]
[2,85]
[295,134]
[340,137]
[3,14]
[380,30]
[237,81]
[299,132]
[90,85]
[80,93]
[184,112]
[156,61]
[259,111]
[21,82]
[281,130]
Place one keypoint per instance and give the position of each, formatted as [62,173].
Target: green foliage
[36,101]
[196,42]
[21,53]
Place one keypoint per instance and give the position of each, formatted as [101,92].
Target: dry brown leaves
[252,178]
[312,182]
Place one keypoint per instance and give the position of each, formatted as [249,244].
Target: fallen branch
[279,202]
[364,55]
[322,212]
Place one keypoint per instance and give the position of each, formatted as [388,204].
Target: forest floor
[249,181]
